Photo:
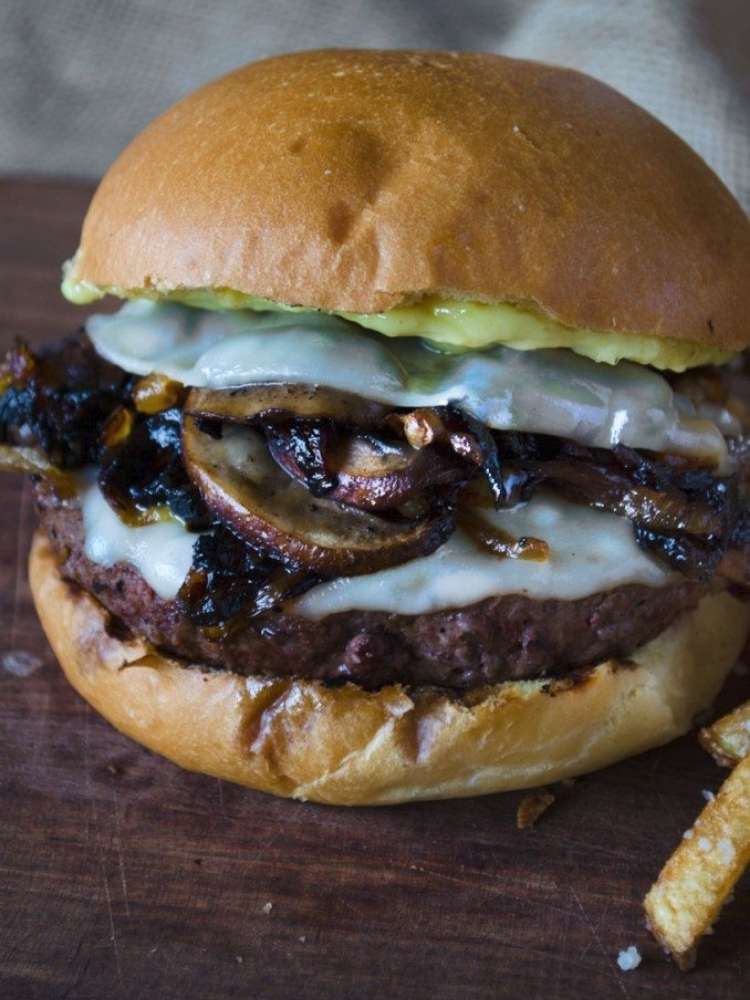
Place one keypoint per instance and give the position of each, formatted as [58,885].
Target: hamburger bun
[347,746]
[360,181]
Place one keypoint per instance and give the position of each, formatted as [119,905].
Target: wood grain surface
[123,877]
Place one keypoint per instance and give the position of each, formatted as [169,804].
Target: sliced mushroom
[246,404]
[244,487]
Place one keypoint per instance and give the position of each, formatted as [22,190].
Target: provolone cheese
[161,552]
[590,551]
[543,391]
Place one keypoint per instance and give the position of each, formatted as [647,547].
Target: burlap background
[80,77]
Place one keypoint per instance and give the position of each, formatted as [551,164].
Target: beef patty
[511,637]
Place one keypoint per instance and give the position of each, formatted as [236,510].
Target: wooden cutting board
[123,877]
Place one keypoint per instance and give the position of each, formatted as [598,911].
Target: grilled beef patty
[502,638]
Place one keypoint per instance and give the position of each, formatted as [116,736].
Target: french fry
[728,739]
[685,900]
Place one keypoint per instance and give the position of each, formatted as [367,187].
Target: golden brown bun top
[359,180]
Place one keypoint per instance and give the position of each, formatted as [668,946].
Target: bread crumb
[707,795]
[239,959]
[20,663]
[629,959]
[267,907]
[687,835]
[532,807]
[302,939]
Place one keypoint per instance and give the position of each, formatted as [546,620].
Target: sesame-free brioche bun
[356,180]
[347,746]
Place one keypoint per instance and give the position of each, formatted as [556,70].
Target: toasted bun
[347,746]
[362,180]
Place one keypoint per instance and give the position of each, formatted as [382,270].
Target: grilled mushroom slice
[269,399]
[241,483]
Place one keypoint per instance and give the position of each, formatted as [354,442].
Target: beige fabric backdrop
[80,77]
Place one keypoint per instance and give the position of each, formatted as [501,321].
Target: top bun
[356,180]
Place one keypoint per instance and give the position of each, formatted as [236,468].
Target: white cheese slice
[543,391]
[161,552]
[590,551]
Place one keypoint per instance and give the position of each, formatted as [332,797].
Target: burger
[413,462]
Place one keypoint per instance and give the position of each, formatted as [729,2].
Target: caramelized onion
[156,392]
[142,474]
[374,476]
[117,427]
[58,399]
[229,581]
[300,447]
[361,470]
[606,490]
[378,475]
[499,542]
[35,462]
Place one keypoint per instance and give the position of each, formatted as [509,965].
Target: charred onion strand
[156,392]
[364,470]
[35,462]
[608,490]
[144,471]
[229,581]
[301,448]
[499,542]
[58,399]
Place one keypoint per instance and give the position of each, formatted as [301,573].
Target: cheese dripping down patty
[542,391]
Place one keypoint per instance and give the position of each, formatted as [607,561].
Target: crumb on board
[531,807]
[629,959]
[267,907]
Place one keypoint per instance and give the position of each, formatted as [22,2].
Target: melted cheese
[590,551]
[542,391]
[161,552]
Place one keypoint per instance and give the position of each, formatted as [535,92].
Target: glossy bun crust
[361,180]
[347,746]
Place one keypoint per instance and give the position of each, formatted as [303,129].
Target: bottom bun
[347,746]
